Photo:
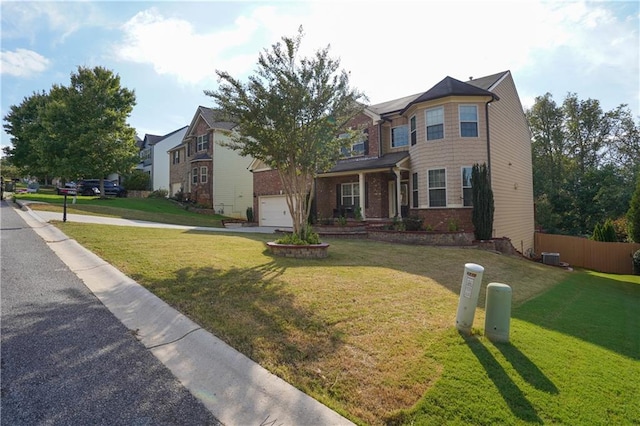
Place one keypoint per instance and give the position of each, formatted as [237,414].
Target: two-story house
[206,171]
[153,157]
[415,159]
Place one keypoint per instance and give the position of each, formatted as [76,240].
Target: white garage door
[274,212]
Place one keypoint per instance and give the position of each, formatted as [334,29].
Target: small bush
[307,237]
[412,223]
[452,225]
[137,181]
[636,263]
[159,193]
[249,214]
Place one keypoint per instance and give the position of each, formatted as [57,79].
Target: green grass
[369,330]
[150,209]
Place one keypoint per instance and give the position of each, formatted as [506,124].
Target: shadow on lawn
[253,311]
[593,308]
[511,393]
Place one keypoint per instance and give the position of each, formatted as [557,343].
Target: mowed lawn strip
[369,330]
[158,210]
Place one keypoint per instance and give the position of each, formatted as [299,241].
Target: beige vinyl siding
[451,153]
[232,181]
[511,172]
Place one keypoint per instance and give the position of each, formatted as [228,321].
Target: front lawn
[369,331]
[158,210]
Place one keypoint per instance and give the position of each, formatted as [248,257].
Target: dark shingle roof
[386,161]
[449,87]
[214,119]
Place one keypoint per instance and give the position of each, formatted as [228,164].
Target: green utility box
[497,312]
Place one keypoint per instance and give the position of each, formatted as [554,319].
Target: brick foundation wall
[438,219]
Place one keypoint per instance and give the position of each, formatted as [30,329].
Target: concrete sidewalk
[235,389]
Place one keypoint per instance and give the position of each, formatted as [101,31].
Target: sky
[168,51]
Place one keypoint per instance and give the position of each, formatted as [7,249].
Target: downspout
[486,117]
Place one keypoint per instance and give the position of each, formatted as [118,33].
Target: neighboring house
[153,157]
[205,171]
[146,154]
[415,159]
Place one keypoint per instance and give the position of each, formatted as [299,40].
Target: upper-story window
[202,142]
[435,123]
[176,156]
[399,136]
[413,130]
[145,154]
[437,188]
[357,148]
[468,121]
[466,187]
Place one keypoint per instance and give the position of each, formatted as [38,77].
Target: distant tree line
[586,163]
[74,131]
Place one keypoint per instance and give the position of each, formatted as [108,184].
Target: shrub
[452,225]
[633,215]
[636,263]
[483,204]
[412,223]
[605,232]
[306,237]
[249,214]
[159,193]
[137,181]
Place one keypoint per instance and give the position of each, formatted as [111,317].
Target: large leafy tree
[585,161]
[88,122]
[28,136]
[75,131]
[289,115]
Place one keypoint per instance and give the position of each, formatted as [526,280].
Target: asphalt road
[65,359]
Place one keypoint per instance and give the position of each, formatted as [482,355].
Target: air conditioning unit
[551,258]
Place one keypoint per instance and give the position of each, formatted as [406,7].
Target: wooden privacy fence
[614,258]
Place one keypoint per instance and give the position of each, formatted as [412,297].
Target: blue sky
[168,51]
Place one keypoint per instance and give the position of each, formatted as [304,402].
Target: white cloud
[22,63]
[399,48]
[173,47]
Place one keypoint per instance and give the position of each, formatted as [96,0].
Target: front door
[404,198]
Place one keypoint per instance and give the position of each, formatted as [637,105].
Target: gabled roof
[449,86]
[214,118]
[487,82]
[151,139]
[387,161]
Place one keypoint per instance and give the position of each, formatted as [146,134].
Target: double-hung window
[468,121]
[413,130]
[437,188]
[435,123]
[194,175]
[357,148]
[414,190]
[176,156]
[350,194]
[399,136]
[466,187]
[203,174]
[202,143]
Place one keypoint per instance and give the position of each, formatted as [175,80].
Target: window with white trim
[467,199]
[194,175]
[468,121]
[203,174]
[202,142]
[413,130]
[176,156]
[357,148]
[435,123]
[399,136]
[437,188]
[414,190]
[350,193]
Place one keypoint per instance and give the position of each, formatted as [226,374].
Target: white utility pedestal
[469,292]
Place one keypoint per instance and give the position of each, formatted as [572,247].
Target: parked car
[69,188]
[92,187]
